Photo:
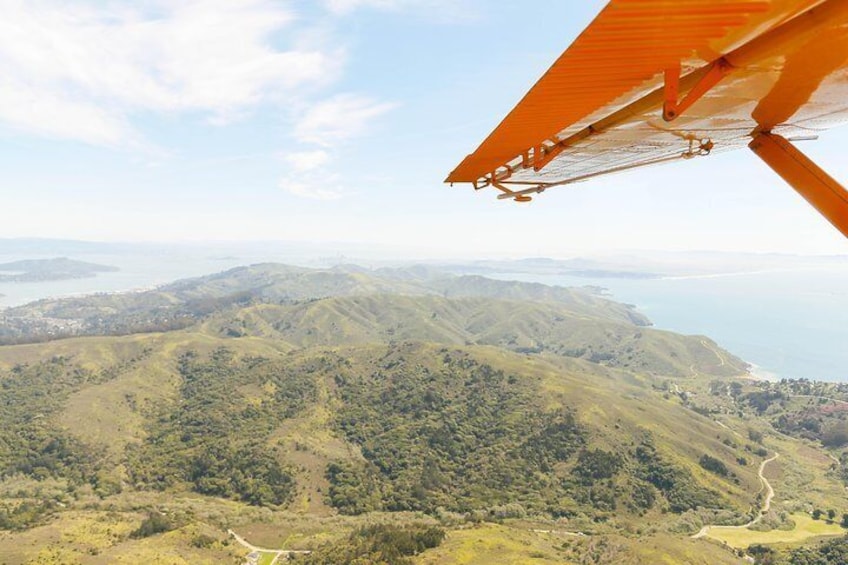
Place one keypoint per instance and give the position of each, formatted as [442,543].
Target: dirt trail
[717,354]
[766,504]
[286,553]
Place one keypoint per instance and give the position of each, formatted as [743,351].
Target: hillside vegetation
[183,303]
[403,398]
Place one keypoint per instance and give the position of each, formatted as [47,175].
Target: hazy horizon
[403,253]
[777,311]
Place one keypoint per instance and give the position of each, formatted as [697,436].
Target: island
[56,269]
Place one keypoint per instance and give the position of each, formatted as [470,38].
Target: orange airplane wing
[652,81]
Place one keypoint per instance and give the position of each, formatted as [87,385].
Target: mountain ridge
[295,419]
[180,304]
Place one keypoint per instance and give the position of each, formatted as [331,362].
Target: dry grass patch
[805,528]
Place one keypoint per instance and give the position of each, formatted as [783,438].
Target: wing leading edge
[653,81]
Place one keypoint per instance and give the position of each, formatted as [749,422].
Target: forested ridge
[447,410]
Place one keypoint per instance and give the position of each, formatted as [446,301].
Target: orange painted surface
[789,76]
[817,187]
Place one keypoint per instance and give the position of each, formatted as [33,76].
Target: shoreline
[757,373]
[82,294]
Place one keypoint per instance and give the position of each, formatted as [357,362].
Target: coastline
[82,293]
[757,373]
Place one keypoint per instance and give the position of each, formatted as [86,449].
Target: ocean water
[144,266]
[788,323]
[137,272]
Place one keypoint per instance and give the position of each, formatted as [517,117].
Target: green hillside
[521,326]
[543,425]
[181,304]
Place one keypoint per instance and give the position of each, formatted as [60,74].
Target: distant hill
[522,326]
[646,264]
[183,303]
[534,424]
[60,268]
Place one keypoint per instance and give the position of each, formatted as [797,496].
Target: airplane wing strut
[655,81]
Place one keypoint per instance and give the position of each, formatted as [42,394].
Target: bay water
[789,323]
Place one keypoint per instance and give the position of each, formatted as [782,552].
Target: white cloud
[303,161]
[435,9]
[51,114]
[314,186]
[346,6]
[337,119]
[311,176]
[82,72]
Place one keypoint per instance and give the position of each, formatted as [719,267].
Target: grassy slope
[104,415]
[98,537]
[509,545]
[805,528]
[803,477]
[515,325]
[614,401]
[112,414]
[180,304]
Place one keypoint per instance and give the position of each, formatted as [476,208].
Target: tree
[762,554]
[817,514]
[713,465]
[836,435]
[155,523]
[596,464]
[379,544]
[735,389]
[833,552]
[831,514]
[844,522]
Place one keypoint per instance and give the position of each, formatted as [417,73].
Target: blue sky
[334,120]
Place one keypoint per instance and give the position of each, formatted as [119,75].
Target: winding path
[765,485]
[706,344]
[278,552]
[559,532]
[819,397]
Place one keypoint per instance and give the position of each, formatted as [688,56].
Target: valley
[454,419]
